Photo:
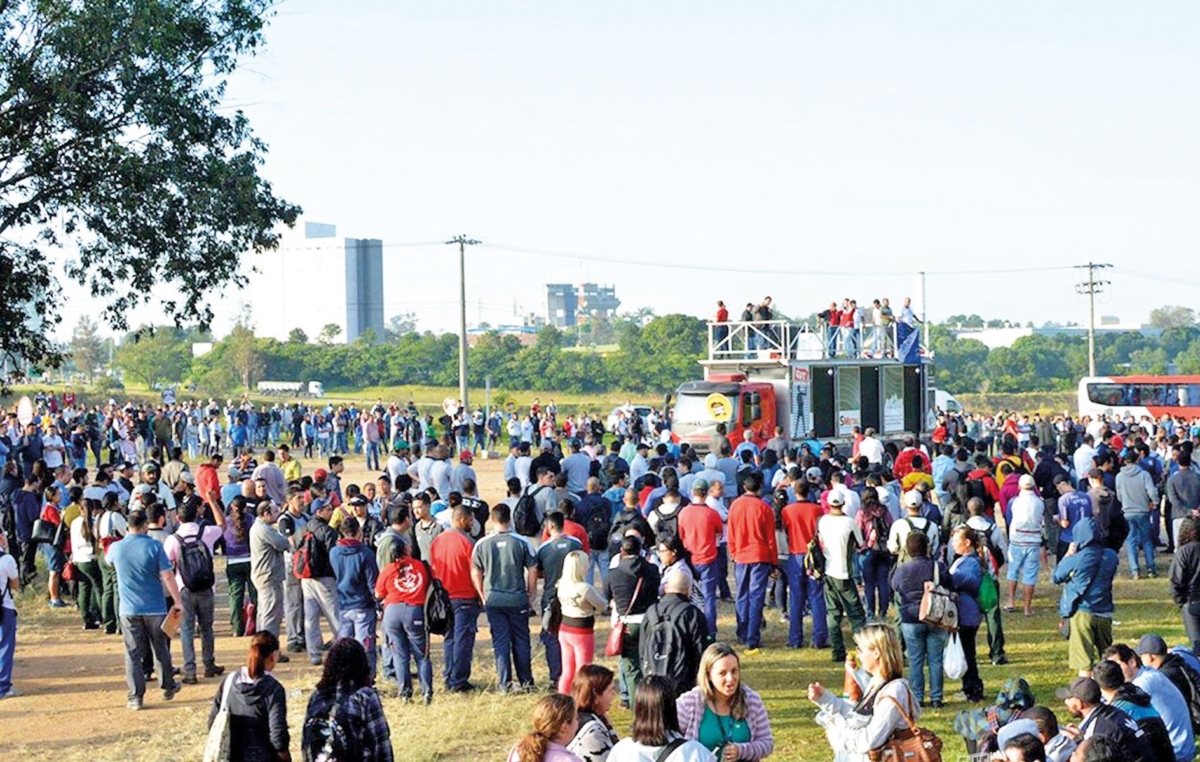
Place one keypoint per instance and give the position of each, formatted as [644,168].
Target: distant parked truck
[292,388]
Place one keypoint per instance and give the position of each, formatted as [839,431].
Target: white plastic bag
[954,659]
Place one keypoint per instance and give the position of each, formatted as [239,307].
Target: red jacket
[751,531]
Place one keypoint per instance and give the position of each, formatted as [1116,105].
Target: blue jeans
[511,644]
[1139,539]
[598,560]
[876,564]
[751,580]
[707,574]
[360,625]
[801,589]
[372,456]
[553,654]
[925,645]
[460,642]
[405,627]
[723,572]
[8,647]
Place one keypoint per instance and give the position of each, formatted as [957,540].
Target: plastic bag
[954,659]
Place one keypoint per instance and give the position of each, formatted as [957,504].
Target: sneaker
[752,651]
[282,658]
[189,680]
[215,670]
[464,688]
[134,704]
[315,661]
[58,603]
[91,626]
[937,703]
[327,645]
[12,693]
[428,699]
[783,619]
[170,691]
[294,648]
[1000,661]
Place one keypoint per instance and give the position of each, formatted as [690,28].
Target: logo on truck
[719,407]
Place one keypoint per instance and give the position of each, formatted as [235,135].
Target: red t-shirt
[800,525]
[207,481]
[450,557]
[722,315]
[404,581]
[751,531]
[699,528]
[572,529]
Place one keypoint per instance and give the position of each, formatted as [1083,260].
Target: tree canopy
[113,142]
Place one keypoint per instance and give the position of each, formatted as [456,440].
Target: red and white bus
[1137,396]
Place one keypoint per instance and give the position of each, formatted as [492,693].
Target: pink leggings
[578,647]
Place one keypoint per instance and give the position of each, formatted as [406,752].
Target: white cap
[913,499]
[1025,482]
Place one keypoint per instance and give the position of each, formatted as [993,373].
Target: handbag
[616,636]
[43,532]
[249,613]
[939,606]
[62,536]
[68,572]
[216,748]
[911,744]
[954,658]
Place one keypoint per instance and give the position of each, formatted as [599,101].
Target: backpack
[1192,695]
[598,525]
[976,487]
[663,652]
[195,563]
[814,559]
[902,554]
[666,526]
[525,520]
[985,540]
[439,612]
[879,535]
[326,738]
[306,557]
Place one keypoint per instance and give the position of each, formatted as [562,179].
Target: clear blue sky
[791,137]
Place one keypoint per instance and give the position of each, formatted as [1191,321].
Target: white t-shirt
[835,532]
[8,571]
[50,453]
[628,750]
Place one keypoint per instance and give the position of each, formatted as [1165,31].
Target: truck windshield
[692,421]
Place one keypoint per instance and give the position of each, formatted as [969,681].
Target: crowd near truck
[761,375]
[292,388]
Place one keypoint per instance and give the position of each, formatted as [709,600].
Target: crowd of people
[357,578]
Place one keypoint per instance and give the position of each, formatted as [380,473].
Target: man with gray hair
[674,635]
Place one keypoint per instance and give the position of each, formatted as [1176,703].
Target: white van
[946,402]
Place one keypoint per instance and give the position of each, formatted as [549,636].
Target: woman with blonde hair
[854,730]
[554,724]
[580,604]
[723,714]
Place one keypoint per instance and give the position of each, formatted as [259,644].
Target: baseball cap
[912,499]
[400,446]
[700,485]
[186,476]
[547,444]
[813,474]
[466,455]
[150,468]
[837,498]
[320,475]
[358,500]
[1025,482]
[1083,688]
[1014,729]
[1152,644]
[235,472]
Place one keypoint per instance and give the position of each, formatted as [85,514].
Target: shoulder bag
[910,744]
[216,748]
[616,636]
[939,606]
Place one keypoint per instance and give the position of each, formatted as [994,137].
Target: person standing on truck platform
[721,331]
[751,336]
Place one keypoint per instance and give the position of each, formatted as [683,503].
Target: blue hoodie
[355,570]
[1088,574]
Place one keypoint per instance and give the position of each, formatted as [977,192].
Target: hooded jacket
[1136,490]
[1135,702]
[354,567]
[1087,573]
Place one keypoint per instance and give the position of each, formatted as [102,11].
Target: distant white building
[315,279]
[1006,337]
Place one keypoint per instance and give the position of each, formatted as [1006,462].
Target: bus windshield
[1124,394]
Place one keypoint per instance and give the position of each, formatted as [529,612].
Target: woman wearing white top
[656,726]
[87,567]
[854,730]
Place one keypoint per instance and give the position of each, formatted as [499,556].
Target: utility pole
[1091,287]
[463,242]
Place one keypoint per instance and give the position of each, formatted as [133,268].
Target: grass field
[73,681]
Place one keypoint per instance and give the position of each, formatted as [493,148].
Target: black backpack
[439,612]
[975,488]
[326,738]
[524,515]
[666,526]
[814,559]
[663,654]
[879,530]
[598,524]
[985,540]
[195,563]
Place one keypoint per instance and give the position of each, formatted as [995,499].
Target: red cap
[320,475]
[465,455]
